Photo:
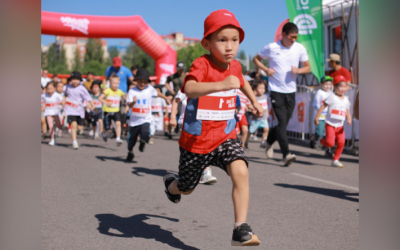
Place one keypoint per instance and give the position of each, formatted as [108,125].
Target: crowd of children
[215,105]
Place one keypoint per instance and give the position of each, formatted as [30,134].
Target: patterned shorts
[191,165]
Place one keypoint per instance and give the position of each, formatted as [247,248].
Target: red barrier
[133,27]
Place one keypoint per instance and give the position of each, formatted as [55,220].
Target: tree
[189,54]
[77,65]
[54,60]
[113,52]
[242,56]
[95,67]
[93,50]
[136,56]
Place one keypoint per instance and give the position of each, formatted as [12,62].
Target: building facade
[177,40]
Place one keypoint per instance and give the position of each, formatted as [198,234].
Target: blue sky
[258,18]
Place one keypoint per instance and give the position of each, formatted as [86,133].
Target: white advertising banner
[299,122]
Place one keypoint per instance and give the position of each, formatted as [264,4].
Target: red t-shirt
[202,137]
[341,72]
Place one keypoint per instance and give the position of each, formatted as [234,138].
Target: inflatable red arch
[133,27]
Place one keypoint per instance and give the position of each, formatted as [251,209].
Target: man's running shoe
[337,164]
[168,179]
[207,177]
[142,145]
[243,236]
[75,145]
[119,142]
[130,157]
[289,159]
[269,150]
[104,136]
[52,142]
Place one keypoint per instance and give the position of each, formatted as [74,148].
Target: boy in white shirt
[157,109]
[319,98]
[338,110]
[139,102]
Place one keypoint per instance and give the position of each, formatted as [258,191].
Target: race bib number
[338,113]
[264,104]
[114,101]
[52,105]
[141,108]
[218,106]
[72,103]
[156,108]
[97,104]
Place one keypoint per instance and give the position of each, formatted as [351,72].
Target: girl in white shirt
[52,100]
[338,110]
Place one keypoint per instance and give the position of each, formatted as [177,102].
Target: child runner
[42,117]
[206,176]
[157,107]
[52,99]
[260,122]
[167,127]
[208,135]
[139,102]
[338,110]
[75,94]
[61,115]
[319,98]
[96,116]
[111,98]
[243,124]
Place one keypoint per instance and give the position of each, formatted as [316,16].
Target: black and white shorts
[191,165]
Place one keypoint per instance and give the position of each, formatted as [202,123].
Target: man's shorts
[116,116]
[75,118]
[254,125]
[192,165]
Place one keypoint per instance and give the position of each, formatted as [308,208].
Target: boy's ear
[206,44]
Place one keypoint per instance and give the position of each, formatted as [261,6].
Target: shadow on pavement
[157,172]
[321,156]
[323,191]
[135,226]
[116,158]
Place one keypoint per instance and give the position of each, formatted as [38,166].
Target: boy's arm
[164,97]
[42,108]
[130,104]
[91,105]
[63,101]
[348,117]
[250,94]
[126,109]
[316,120]
[174,110]
[124,97]
[102,100]
[194,89]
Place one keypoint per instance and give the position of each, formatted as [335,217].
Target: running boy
[157,106]
[139,102]
[208,136]
[338,110]
[96,116]
[319,98]
[111,98]
[75,94]
[167,127]
[52,99]
[260,122]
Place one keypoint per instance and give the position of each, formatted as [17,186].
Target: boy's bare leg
[100,125]
[80,127]
[51,126]
[265,134]
[245,134]
[173,188]
[74,126]
[44,125]
[118,129]
[240,189]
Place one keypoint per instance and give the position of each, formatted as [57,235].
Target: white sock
[237,224]
[75,141]
[118,139]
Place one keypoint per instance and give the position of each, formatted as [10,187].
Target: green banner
[307,15]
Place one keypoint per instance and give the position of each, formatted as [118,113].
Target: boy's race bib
[338,113]
[72,103]
[264,103]
[52,105]
[142,108]
[218,106]
[97,104]
[114,101]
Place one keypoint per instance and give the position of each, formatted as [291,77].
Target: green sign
[307,15]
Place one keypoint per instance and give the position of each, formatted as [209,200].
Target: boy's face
[142,83]
[326,86]
[223,45]
[50,89]
[96,89]
[60,87]
[341,88]
[260,90]
[170,97]
[75,82]
[114,84]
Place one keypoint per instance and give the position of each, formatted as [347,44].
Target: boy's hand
[257,109]
[231,82]
[108,104]
[172,122]
[316,121]
[349,122]
[168,102]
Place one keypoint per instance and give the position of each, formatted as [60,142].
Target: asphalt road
[91,199]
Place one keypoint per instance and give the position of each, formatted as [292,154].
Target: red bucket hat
[338,79]
[218,19]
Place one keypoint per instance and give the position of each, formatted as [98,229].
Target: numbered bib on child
[338,113]
[142,108]
[97,104]
[114,101]
[52,105]
[263,103]
[218,106]
[156,108]
[168,108]
[71,103]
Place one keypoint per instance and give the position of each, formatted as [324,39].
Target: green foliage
[95,67]
[189,54]
[112,52]
[54,60]
[136,56]
[242,55]
[77,65]
[93,50]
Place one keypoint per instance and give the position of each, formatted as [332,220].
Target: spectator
[176,79]
[45,79]
[55,78]
[284,57]
[88,81]
[123,72]
[337,69]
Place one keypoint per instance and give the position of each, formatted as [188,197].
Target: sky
[258,18]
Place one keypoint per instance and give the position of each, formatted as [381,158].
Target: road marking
[324,181]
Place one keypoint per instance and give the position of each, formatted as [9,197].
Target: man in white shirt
[284,57]
[45,79]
